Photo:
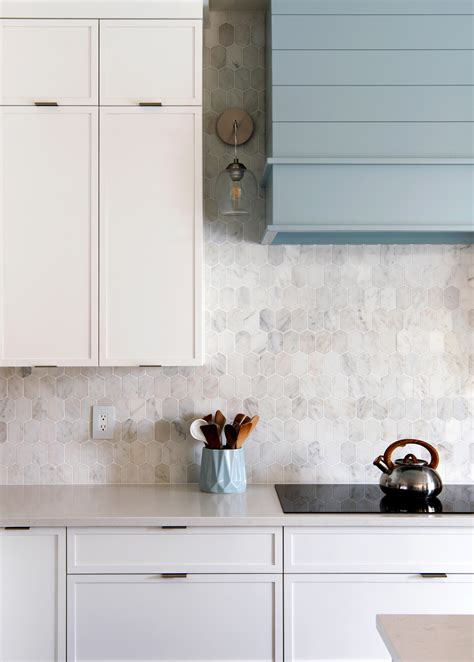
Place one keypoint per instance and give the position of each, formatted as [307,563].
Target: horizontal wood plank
[425,197]
[372,7]
[385,139]
[346,67]
[367,32]
[373,104]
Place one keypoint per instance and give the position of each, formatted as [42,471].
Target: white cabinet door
[48,60]
[199,617]
[332,617]
[48,236]
[150,236]
[33,595]
[151,61]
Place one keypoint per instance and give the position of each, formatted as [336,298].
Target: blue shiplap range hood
[370,121]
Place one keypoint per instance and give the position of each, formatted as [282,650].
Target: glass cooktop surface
[295,499]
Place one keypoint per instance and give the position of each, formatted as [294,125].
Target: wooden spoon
[254,420]
[211,433]
[208,418]
[245,430]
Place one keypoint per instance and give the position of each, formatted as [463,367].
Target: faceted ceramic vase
[223,472]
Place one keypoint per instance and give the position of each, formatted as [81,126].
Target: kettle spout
[382,465]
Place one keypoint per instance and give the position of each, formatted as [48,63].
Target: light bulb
[236,192]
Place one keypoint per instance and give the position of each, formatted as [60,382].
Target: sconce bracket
[225,126]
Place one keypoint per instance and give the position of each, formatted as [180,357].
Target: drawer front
[161,550]
[49,60]
[332,617]
[151,61]
[200,617]
[379,549]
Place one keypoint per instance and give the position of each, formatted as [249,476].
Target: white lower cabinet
[333,617]
[171,617]
[32,595]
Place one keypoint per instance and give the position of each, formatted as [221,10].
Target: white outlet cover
[103,422]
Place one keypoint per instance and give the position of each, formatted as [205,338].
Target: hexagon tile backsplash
[340,349]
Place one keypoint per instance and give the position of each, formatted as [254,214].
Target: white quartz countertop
[184,505]
[439,638]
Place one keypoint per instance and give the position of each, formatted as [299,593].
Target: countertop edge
[336,520]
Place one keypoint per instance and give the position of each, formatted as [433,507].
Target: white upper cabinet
[48,236]
[150,236]
[49,60]
[151,61]
[148,230]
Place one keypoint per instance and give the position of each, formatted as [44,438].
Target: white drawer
[175,550]
[391,549]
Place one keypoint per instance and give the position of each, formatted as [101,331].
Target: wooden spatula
[220,419]
[238,420]
[230,436]
[211,433]
[208,418]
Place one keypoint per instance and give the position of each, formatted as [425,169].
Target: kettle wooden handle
[387,456]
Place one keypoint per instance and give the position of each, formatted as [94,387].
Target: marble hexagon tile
[339,349]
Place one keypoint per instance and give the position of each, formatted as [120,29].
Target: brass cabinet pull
[150,104]
[174,575]
[433,575]
[16,528]
[46,103]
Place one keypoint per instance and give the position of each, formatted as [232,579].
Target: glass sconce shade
[236,189]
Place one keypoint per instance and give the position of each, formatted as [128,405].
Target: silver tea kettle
[409,477]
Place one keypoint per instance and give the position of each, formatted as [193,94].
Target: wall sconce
[236,186]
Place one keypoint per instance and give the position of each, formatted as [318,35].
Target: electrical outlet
[103,422]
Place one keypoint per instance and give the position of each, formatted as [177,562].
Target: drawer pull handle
[172,528]
[45,366]
[46,103]
[16,528]
[174,575]
[433,575]
[150,366]
[150,104]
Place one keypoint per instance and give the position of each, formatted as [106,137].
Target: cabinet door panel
[151,236]
[332,617]
[48,229]
[49,60]
[199,617]
[151,61]
[33,595]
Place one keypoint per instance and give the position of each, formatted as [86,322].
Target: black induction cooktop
[367,499]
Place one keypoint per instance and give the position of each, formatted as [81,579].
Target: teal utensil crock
[223,472]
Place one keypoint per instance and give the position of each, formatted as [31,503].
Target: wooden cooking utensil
[244,432]
[230,436]
[238,420]
[254,420]
[207,418]
[211,433]
[220,419]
